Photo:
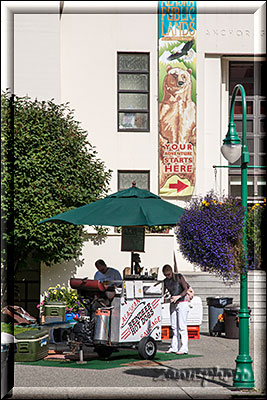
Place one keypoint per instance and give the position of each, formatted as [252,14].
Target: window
[251,75]
[126,178]
[27,287]
[133,92]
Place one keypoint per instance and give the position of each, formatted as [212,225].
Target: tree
[48,167]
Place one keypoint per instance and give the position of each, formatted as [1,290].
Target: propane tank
[102,330]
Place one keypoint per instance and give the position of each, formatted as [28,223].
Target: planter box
[54,312]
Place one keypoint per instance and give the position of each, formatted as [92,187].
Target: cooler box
[32,345]
[195,314]
[165,316]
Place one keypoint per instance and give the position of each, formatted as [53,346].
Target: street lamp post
[232,149]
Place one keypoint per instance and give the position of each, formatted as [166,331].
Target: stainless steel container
[102,326]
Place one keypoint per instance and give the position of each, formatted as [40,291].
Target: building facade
[109,64]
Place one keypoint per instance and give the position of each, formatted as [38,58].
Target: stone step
[209,282]
[214,292]
[254,312]
[257,284]
[256,298]
[208,285]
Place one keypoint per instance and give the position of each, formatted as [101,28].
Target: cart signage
[133,238]
[140,319]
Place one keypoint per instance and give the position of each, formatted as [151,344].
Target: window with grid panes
[133,92]
[251,75]
[126,178]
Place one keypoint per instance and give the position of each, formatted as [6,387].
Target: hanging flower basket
[209,235]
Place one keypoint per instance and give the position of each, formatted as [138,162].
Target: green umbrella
[130,207]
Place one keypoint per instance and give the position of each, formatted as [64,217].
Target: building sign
[177,97]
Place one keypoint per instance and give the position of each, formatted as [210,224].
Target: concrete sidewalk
[209,376]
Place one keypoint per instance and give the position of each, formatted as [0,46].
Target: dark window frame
[131,91]
[23,300]
[256,117]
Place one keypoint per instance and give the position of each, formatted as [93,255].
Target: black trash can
[231,320]
[216,307]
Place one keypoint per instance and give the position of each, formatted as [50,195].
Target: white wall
[89,79]
[37,56]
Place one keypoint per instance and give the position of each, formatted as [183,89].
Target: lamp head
[231,148]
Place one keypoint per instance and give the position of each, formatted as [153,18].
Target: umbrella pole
[132,271]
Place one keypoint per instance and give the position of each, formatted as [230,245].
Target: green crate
[55,312]
[32,345]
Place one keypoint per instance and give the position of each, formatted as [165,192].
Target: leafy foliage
[209,234]
[48,167]
[255,230]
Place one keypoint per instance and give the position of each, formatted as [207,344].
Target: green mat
[121,359]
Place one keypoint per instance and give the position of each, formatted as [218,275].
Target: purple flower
[209,235]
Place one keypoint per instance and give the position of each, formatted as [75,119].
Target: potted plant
[54,303]
[61,303]
[158,229]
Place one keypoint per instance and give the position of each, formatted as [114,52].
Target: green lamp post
[232,149]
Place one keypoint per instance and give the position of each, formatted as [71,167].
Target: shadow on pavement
[218,335]
[203,375]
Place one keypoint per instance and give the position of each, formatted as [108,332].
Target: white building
[72,53]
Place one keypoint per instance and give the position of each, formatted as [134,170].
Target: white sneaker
[169,351]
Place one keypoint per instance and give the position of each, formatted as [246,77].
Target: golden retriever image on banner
[177,136]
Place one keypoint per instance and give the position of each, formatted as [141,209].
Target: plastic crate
[193,332]
[165,332]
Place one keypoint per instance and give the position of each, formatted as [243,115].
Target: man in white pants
[179,309]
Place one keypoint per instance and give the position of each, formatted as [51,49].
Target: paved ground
[209,376]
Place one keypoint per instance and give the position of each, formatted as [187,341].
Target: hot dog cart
[124,313]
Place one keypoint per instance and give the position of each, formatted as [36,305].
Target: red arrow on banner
[179,186]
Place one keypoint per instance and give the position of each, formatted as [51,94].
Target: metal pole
[243,377]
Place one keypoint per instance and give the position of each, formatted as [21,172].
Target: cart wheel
[147,348]
[104,351]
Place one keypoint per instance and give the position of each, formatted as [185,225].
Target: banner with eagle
[177,97]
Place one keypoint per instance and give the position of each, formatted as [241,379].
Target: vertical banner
[177,97]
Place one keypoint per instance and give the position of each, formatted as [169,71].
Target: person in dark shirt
[179,308]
